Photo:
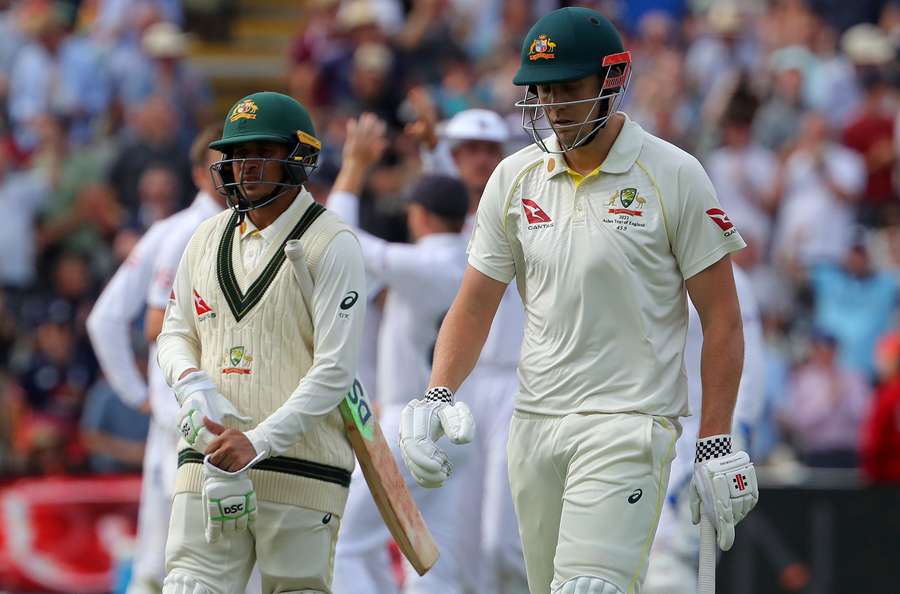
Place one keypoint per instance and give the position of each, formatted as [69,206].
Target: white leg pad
[587,585]
[181,583]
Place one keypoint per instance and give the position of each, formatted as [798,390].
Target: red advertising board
[66,535]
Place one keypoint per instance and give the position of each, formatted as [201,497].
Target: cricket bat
[394,501]
[706,572]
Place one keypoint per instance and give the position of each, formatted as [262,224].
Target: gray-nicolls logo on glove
[724,486]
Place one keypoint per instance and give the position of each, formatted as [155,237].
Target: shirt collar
[206,205]
[288,218]
[439,239]
[621,157]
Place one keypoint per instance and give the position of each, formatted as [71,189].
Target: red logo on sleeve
[721,219]
[534,212]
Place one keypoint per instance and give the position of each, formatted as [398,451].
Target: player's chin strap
[244,206]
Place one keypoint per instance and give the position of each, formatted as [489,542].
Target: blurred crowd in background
[791,105]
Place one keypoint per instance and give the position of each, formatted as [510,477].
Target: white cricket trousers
[157,486]
[588,490]
[293,547]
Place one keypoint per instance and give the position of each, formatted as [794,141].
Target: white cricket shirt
[600,265]
[422,279]
[123,301]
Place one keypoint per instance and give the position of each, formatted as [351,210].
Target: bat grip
[706,574]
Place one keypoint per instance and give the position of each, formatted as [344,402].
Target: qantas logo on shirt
[721,219]
[537,218]
[203,310]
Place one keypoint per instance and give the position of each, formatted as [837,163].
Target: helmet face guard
[296,169]
[616,77]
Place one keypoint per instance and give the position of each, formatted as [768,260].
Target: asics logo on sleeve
[349,299]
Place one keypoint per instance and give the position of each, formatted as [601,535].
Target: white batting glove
[422,424]
[229,500]
[199,397]
[724,484]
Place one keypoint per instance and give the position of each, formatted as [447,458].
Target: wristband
[714,446]
[439,394]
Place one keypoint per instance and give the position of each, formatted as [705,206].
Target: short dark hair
[200,147]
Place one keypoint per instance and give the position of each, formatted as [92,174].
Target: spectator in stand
[158,195]
[871,134]
[854,303]
[373,84]
[112,432]
[832,87]
[742,171]
[22,196]
[822,182]
[161,69]
[54,383]
[725,50]
[59,73]
[823,408]
[880,443]
[778,120]
[152,140]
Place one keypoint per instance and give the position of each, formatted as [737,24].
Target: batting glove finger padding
[726,489]
[421,425]
[457,422]
[229,500]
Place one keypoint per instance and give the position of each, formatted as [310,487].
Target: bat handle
[706,574]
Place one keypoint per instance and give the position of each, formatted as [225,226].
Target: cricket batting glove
[199,397]
[229,500]
[422,424]
[724,484]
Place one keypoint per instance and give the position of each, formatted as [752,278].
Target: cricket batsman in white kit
[265,461]
[146,278]
[606,230]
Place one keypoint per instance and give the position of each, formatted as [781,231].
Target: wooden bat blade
[395,503]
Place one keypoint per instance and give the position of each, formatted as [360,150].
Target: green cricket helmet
[567,45]
[264,117]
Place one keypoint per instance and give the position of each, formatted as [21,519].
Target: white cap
[866,44]
[164,40]
[476,124]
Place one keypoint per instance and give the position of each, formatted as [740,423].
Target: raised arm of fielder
[336,351]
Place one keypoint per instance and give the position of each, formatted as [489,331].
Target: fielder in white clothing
[471,145]
[673,559]
[264,464]
[420,279]
[143,284]
[606,230]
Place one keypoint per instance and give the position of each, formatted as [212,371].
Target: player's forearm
[351,177]
[721,362]
[459,345]
[177,353]
[112,346]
